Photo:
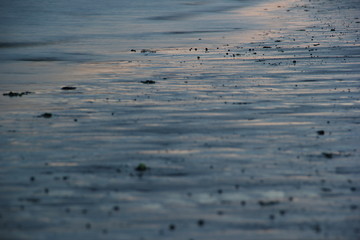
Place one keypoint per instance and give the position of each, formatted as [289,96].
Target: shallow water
[250,129]
[83,30]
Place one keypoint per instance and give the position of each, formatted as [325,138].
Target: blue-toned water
[77,30]
[242,115]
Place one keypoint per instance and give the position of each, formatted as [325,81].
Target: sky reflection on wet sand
[249,128]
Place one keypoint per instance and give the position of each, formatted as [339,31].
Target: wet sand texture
[250,137]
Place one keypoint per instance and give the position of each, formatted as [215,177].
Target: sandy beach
[248,132]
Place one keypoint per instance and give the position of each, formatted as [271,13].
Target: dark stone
[327,155]
[148,82]
[200,222]
[68,88]
[321,132]
[45,115]
[268,203]
[282,212]
[172,227]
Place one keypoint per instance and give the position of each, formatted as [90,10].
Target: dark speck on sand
[148,82]
[45,115]
[68,88]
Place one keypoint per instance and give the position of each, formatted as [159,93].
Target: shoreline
[255,138]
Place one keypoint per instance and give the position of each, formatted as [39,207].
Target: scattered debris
[148,82]
[268,203]
[141,167]
[325,189]
[45,115]
[327,155]
[200,222]
[240,103]
[88,226]
[16,94]
[321,132]
[68,88]
[172,227]
[147,51]
[316,228]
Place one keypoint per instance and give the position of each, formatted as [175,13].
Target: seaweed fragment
[16,94]
[141,167]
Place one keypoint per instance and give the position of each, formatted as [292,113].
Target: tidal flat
[246,127]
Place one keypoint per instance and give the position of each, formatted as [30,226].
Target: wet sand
[248,136]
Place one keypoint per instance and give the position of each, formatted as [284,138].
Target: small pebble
[317,228]
[172,227]
[321,132]
[68,88]
[353,207]
[282,212]
[45,115]
[201,222]
[148,82]
[327,155]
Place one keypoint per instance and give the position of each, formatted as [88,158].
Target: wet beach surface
[249,133]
